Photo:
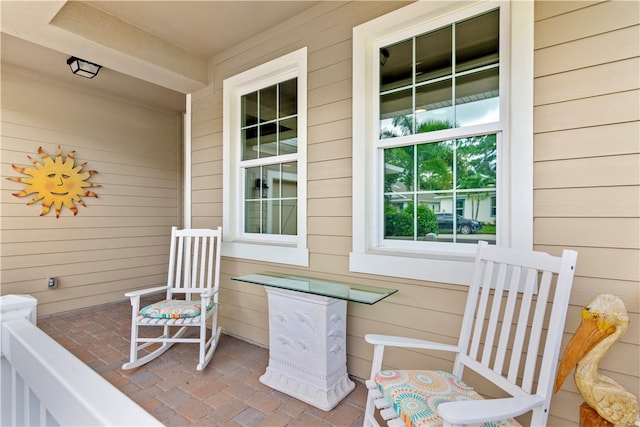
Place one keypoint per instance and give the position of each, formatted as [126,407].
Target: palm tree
[476,168]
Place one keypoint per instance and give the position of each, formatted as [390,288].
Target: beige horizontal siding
[588,52]
[587,165]
[337,169]
[583,292]
[330,132]
[590,172]
[621,233]
[613,263]
[605,140]
[602,110]
[613,77]
[558,8]
[329,188]
[329,113]
[333,226]
[568,24]
[335,206]
[336,149]
[328,244]
[589,202]
[119,241]
[329,92]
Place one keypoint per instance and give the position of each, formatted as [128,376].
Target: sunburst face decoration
[56,182]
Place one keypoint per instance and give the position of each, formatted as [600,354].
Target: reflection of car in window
[464,225]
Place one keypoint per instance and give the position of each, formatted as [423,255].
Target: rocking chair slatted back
[193,255]
[508,305]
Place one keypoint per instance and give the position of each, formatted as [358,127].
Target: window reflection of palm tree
[474,159]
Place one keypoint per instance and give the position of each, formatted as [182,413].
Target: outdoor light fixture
[83,68]
[384,55]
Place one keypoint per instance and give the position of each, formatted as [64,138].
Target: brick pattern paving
[226,393]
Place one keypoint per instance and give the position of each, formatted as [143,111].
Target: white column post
[187,164]
[14,307]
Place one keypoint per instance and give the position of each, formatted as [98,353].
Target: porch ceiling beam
[78,29]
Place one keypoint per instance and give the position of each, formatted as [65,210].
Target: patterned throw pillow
[174,309]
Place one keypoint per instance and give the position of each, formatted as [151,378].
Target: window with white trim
[264,164]
[443,137]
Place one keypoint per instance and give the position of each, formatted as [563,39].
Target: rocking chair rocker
[194,271]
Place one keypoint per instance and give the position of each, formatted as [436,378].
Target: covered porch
[152,124]
[226,393]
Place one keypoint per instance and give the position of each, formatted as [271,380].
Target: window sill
[444,268]
[278,254]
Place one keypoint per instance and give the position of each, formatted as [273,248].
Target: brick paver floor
[226,393]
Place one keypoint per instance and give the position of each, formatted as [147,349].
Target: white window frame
[448,263]
[236,243]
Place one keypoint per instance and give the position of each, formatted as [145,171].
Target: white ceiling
[151,51]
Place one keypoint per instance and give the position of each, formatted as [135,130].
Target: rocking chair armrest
[207,292]
[393,341]
[141,292]
[483,411]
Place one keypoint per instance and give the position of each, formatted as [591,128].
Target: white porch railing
[44,384]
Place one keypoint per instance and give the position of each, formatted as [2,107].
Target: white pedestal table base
[307,347]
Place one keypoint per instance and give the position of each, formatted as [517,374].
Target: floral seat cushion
[415,395]
[174,309]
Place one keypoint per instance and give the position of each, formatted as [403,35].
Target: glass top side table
[307,334]
[346,291]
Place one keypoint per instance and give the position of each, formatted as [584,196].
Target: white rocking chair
[194,263]
[514,295]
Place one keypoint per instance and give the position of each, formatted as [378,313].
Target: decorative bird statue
[604,321]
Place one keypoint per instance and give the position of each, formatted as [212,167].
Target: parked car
[464,225]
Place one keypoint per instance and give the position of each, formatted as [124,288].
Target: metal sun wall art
[56,182]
